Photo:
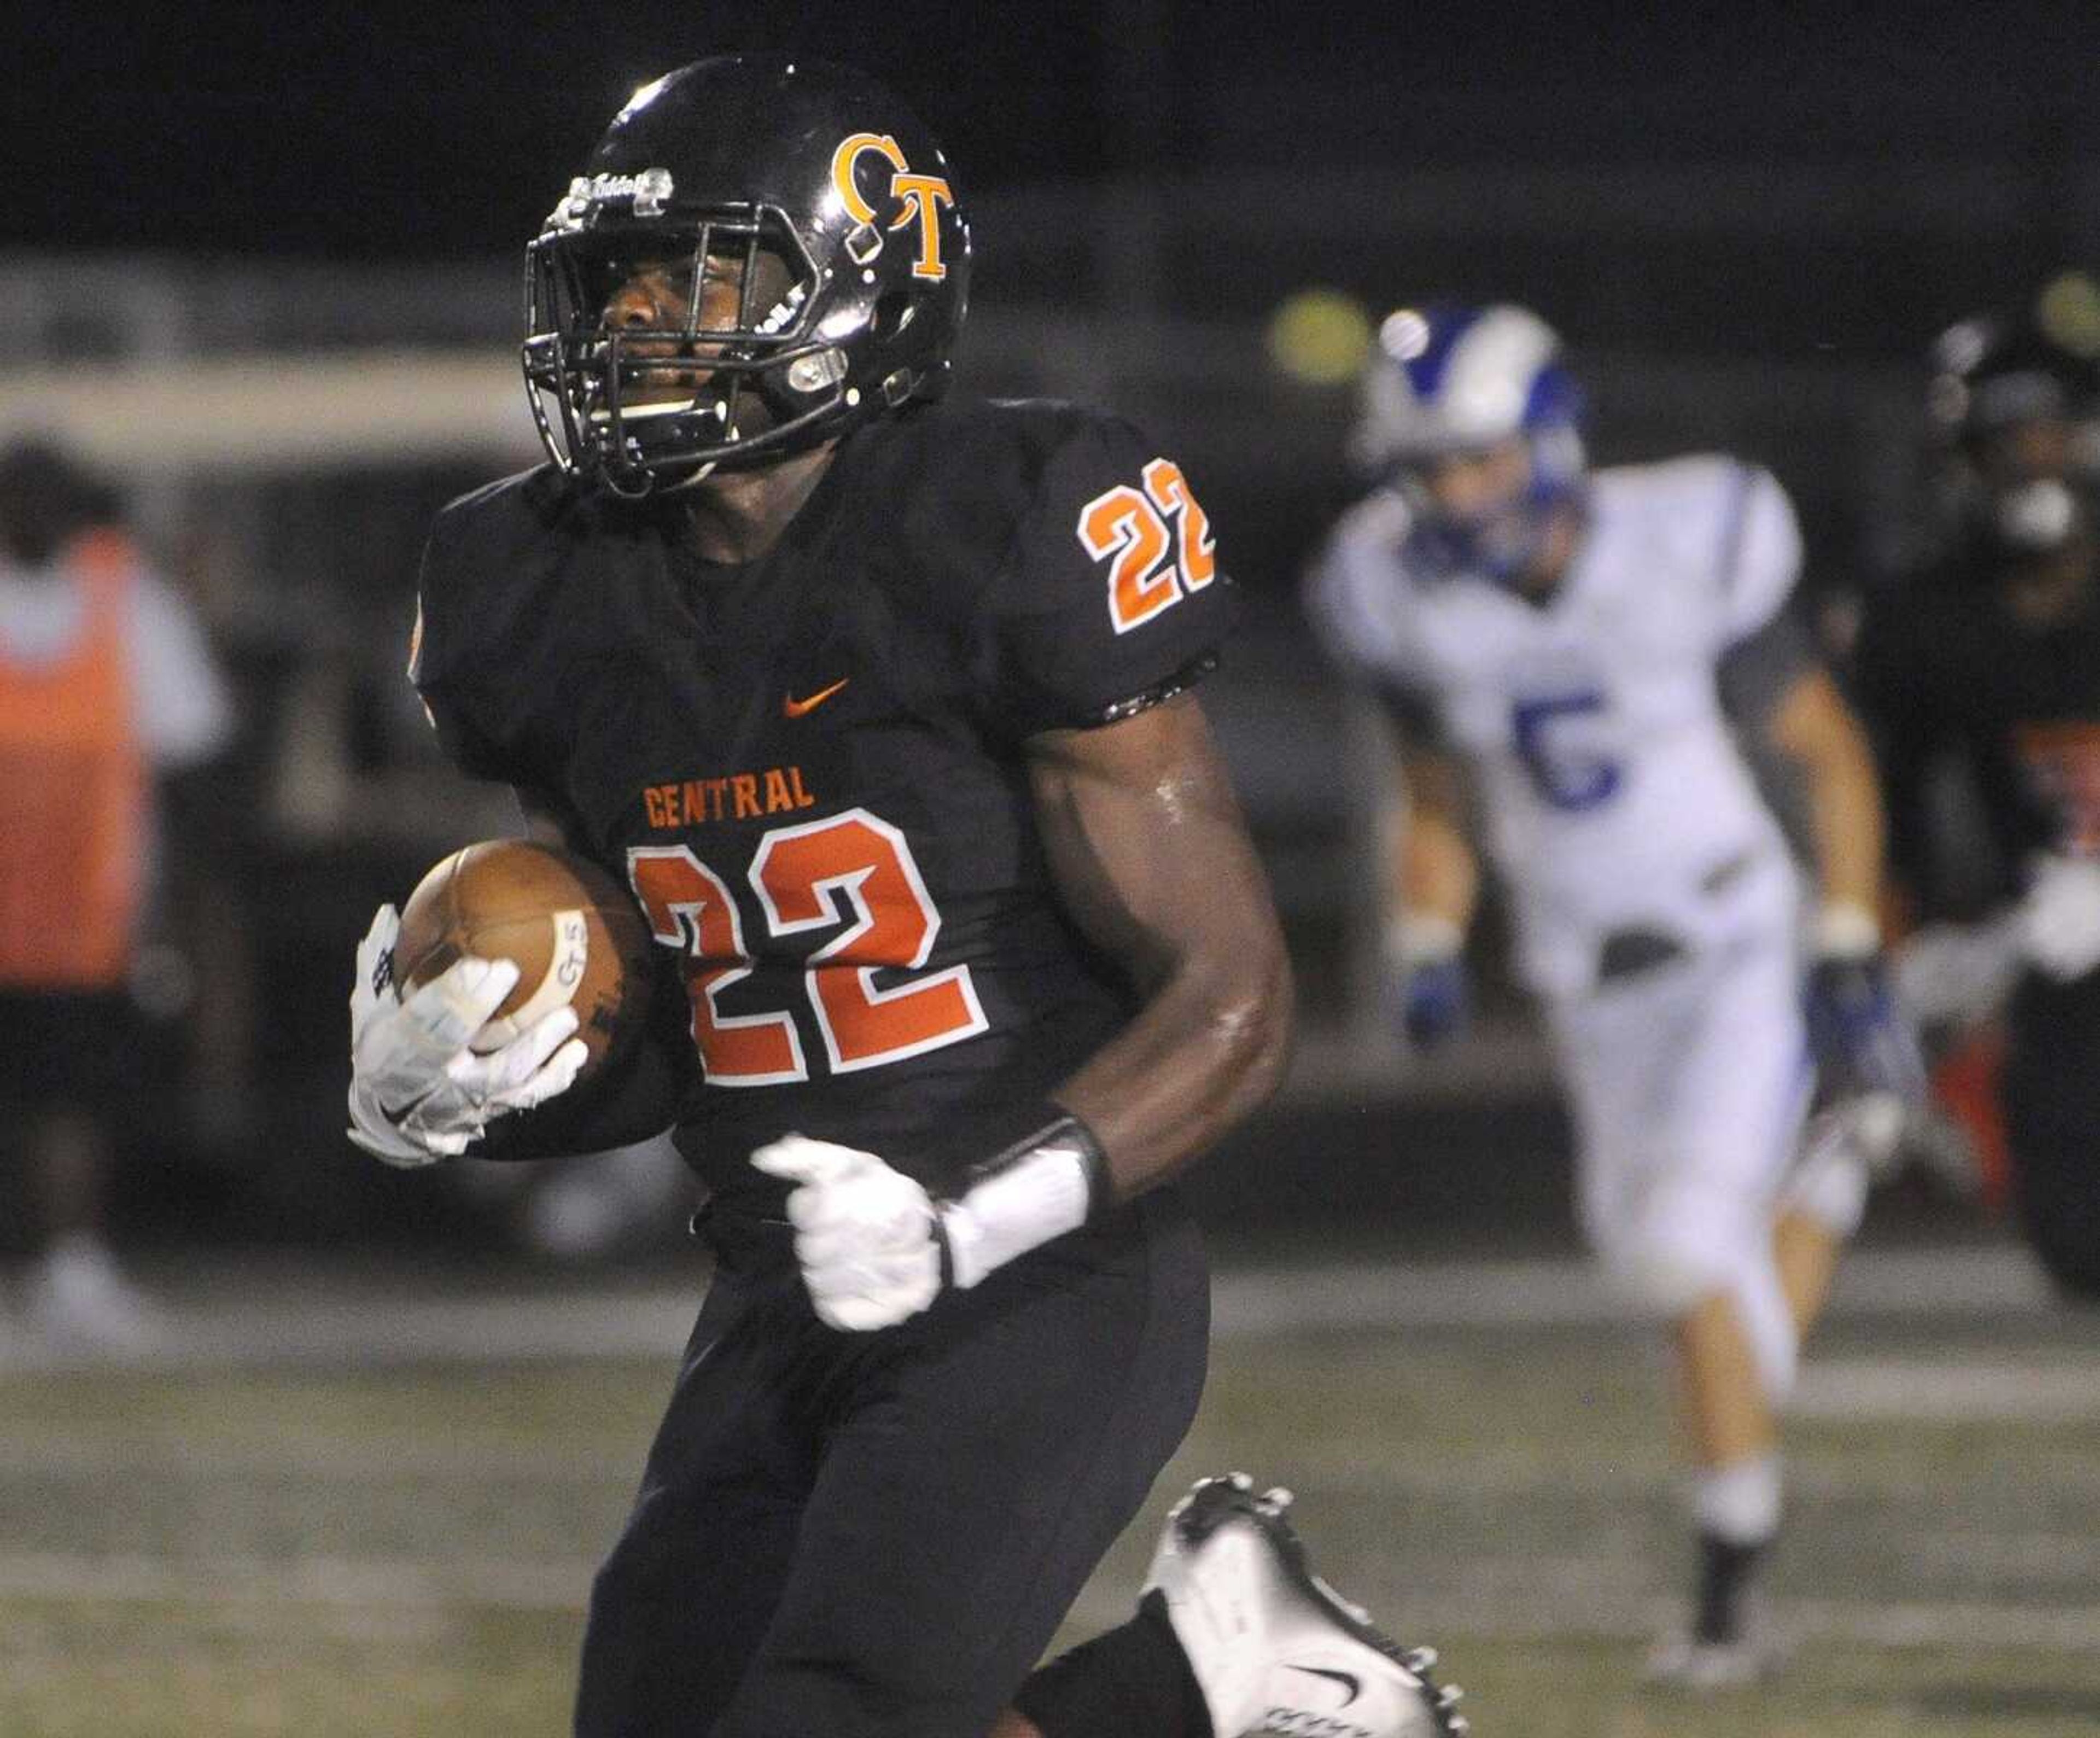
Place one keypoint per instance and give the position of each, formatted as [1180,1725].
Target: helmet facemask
[712,365]
[1502,539]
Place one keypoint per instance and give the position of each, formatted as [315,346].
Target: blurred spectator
[1980,670]
[110,707]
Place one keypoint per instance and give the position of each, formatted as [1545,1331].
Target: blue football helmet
[1448,383]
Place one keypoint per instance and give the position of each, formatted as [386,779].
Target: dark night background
[249,127]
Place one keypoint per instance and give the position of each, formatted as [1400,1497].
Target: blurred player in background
[1587,643]
[1980,672]
[111,708]
[882,706]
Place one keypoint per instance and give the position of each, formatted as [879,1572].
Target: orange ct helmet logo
[921,196]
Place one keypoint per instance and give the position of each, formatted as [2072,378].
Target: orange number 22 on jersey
[853,871]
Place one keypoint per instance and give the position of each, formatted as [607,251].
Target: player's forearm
[1207,1050]
[1815,726]
[1435,880]
[1153,865]
[1845,813]
[1845,810]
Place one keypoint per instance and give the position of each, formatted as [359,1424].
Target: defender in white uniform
[1588,645]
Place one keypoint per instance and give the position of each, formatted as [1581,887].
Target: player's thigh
[680,1606]
[1742,1076]
[965,1503]
[1687,1089]
[2051,1092]
[1614,1052]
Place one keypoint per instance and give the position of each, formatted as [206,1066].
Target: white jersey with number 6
[1616,795]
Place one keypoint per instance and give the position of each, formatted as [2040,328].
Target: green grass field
[326,1547]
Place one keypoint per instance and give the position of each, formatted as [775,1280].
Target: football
[573,931]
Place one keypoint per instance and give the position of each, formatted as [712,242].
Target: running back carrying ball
[574,934]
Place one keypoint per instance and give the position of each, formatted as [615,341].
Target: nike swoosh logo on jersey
[1354,1686]
[791,707]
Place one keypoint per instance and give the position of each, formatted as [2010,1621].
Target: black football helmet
[2014,405]
[817,261]
[1995,371]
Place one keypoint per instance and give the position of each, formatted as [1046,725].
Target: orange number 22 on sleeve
[1154,566]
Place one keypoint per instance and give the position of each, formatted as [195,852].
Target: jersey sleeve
[445,667]
[1112,597]
[1758,671]
[1758,552]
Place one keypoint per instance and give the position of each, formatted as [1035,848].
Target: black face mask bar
[590,370]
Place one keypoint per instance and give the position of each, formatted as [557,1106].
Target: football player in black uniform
[1987,657]
[881,705]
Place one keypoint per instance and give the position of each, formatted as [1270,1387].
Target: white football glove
[1950,974]
[418,1093]
[2060,917]
[866,1235]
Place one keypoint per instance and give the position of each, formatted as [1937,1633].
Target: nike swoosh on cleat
[1354,1686]
[791,707]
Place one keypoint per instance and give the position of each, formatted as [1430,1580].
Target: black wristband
[1053,1126]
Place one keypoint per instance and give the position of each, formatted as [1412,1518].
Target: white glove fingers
[504,1070]
[447,1011]
[865,1235]
[372,983]
[539,1040]
[378,941]
[822,1245]
[811,1210]
[384,926]
[799,1159]
[555,1076]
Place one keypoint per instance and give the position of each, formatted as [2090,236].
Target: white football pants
[1688,1084]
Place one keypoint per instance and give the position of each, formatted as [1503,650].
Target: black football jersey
[809,767]
[1943,668]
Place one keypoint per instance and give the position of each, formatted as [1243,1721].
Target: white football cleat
[80,1301]
[1272,1647]
[1682,1662]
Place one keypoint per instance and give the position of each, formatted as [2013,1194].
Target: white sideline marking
[1936,1389]
[319,1319]
[381,1459]
[516,1585]
[1547,1615]
[559,1585]
[1564,1291]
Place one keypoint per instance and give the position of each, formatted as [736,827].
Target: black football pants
[2051,1094]
[876,1535]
